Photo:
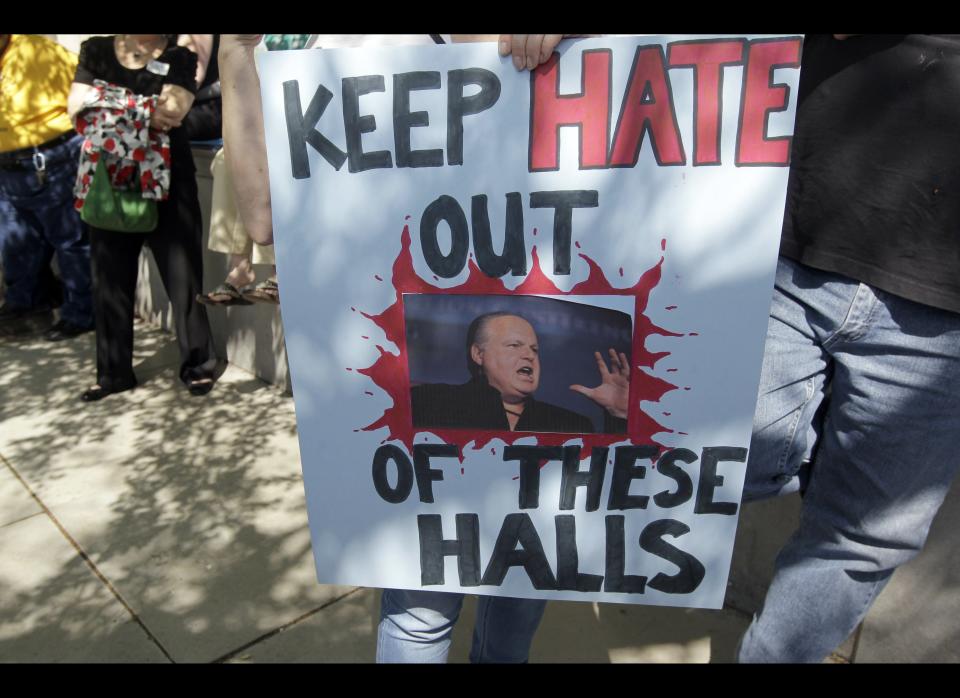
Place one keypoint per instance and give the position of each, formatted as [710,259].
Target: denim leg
[415,626]
[44,219]
[882,468]
[23,251]
[68,234]
[505,629]
[792,381]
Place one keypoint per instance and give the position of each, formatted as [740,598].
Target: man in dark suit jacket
[504,362]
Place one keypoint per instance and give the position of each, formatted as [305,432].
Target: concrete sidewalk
[155,526]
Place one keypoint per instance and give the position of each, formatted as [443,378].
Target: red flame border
[391,371]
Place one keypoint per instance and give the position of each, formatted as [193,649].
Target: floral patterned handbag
[124,167]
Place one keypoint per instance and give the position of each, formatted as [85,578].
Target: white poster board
[627,195]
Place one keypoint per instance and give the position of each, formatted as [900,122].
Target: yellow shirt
[35,79]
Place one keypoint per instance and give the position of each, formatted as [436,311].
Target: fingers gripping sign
[613,393]
[528,50]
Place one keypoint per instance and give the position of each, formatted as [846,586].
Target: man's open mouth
[526,371]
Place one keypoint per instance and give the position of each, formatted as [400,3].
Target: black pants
[176,247]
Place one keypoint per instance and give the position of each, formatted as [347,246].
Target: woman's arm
[177,93]
[245,146]
[76,98]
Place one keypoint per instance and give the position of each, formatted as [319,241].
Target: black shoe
[16,321]
[98,393]
[94,394]
[65,330]
[10,313]
[200,386]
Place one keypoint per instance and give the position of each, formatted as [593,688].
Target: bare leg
[241,271]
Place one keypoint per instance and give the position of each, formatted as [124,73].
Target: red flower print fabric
[115,124]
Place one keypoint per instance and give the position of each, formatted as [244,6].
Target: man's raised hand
[613,393]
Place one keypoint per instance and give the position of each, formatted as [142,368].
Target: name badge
[158,68]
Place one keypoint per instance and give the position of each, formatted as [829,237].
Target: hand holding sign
[529,50]
[613,393]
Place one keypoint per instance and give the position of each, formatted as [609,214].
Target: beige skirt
[227,234]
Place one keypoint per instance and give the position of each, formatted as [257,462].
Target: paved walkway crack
[233,653]
[21,519]
[86,558]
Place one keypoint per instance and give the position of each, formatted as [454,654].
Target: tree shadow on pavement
[191,507]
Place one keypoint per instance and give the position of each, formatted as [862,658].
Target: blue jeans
[37,219]
[874,458]
[415,626]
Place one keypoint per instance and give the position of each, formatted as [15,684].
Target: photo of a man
[503,358]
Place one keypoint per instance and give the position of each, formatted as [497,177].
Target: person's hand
[246,40]
[613,393]
[239,43]
[172,106]
[163,119]
[529,50]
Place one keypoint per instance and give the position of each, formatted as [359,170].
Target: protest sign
[525,312]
